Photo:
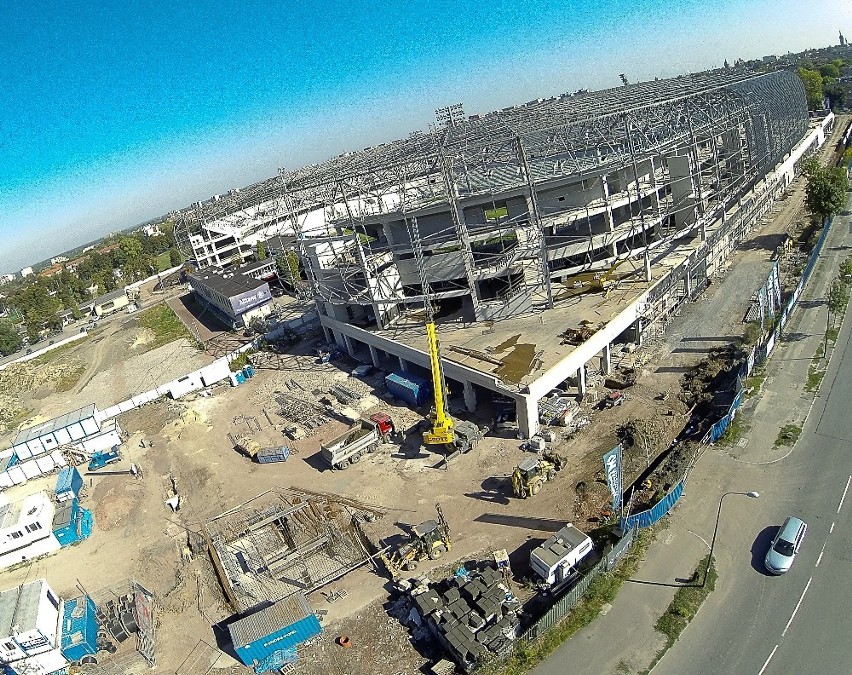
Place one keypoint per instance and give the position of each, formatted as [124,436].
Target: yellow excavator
[456,436]
[426,540]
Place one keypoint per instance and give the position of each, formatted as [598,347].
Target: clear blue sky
[112,113]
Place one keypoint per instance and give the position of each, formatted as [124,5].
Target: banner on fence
[612,468]
[656,512]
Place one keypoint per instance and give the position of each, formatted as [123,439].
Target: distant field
[163,262]
[165,325]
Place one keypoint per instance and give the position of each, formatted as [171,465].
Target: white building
[27,271]
[6,278]
[26,529]
[29,629]
[58,259]
[152,230]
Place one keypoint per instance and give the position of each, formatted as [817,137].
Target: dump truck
[364,437]
[533,472]
[430,539]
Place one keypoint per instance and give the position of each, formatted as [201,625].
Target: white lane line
[831,530]
[768,659]
[845,490]
[798,604]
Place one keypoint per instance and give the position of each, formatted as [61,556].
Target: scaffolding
[284,542]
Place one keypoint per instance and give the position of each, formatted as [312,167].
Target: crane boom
[441,432]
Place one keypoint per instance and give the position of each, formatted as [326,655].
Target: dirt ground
[185,444]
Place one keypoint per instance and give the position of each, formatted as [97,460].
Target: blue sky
[112,113]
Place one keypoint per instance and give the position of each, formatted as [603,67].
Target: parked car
[785,545]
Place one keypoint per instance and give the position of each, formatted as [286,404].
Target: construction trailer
[557,559]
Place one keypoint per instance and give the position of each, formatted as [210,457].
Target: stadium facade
[529,210]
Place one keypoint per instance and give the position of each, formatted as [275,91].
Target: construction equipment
[429,540]
[533,472]
[613,399]
[101,459]
[456,436]
[348,448]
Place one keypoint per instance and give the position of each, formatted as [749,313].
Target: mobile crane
[457,436]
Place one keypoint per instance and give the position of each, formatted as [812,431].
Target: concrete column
[469,397]
[403,364]
[374,356]
[336,339]
[606,359]
[526,408]
[687,283]
[350,345]
[581,380]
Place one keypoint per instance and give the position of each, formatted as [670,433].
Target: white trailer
[556,560]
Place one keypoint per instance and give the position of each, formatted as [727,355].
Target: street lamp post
[753,495]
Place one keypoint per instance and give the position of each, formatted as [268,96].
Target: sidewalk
[623,640]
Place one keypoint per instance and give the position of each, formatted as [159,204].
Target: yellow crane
[444,430]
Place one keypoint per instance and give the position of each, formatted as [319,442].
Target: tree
[825,192]
[836,95]
[261,251]
[10,340]
[175,258]
[829,71]
[288,267]
[813,87]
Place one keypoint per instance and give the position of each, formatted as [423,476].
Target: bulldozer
[533,472]
[429,540]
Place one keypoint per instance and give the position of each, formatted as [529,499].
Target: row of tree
[38,301]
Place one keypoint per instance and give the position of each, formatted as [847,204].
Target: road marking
[798,604]
[831,529]
[768,659]
[845,490]
[820,556]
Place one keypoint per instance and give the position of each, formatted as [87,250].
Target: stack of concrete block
[472,617]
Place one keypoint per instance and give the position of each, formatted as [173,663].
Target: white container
[5,480]
[16,473]
[45,463]
[31,469]
[58,459]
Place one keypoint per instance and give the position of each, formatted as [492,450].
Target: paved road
[759,624]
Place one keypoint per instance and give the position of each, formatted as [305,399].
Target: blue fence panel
[656,512]
[718,429]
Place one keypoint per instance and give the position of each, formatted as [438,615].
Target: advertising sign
[245,301]
[612,469]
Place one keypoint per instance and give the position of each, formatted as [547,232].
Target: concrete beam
[526,409]
[606,360]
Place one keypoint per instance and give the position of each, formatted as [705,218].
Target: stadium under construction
[601,210]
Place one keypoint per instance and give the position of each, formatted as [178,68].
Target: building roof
[19,607]
[270,620]
[552,551]
[108,296]
[250,268]
[61,422]
[229,283]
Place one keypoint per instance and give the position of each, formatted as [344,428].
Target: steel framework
[516,201]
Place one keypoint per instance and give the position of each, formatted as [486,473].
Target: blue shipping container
[71,523]
[79,628]
[240,378]
[412,389]
[269,455]
[248,371]
[68,483]
[285,624]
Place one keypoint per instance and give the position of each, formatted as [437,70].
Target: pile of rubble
[473,616]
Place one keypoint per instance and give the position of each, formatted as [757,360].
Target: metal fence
[568,601]
[656,512]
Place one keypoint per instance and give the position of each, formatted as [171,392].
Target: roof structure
[267,621]
[228,283]
[554,549]
[61,422]
[19,608]
[106,297]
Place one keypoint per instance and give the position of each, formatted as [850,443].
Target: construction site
[548,280]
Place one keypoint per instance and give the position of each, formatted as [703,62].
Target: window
[9,646]
[17,534]
[32,527]
[53,599]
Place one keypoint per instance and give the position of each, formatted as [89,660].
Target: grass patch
[164,261]
[832,334]
[735,431]
[814,380]
[683,608]
[601,591]
[755,383]
[70,377]
[165,325]
[788,435]
[53,354]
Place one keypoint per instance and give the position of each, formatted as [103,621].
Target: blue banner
[612,469]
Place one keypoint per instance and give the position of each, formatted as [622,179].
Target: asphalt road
[757,624]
